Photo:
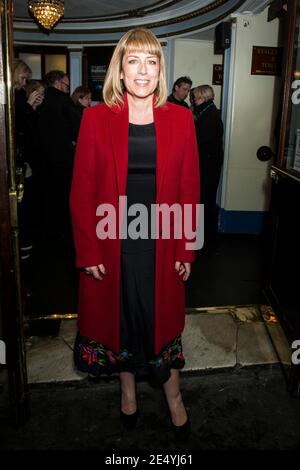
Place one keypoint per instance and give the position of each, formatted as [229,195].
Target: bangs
[142,41]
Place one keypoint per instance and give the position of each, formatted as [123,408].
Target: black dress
[137,280]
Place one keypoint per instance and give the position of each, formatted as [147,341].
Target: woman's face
[22,80]
[199,100]
[40,95]
[140,73]
[85,101]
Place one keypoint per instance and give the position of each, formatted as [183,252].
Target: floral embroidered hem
[96,359]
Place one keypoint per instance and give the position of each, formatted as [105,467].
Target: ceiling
[98,21]
[93,9]
[75,9]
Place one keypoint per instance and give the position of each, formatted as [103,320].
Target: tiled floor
[222,337]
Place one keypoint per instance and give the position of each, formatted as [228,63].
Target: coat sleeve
[83,197]
[189,192]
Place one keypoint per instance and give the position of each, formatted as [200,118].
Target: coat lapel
[118,124]
[162,127]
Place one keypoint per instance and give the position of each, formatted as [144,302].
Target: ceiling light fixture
[47,12]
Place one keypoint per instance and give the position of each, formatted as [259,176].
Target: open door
[10,299]
[283,279]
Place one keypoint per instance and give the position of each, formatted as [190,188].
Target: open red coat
[100,175]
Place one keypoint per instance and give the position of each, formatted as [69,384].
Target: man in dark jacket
[56,134]
[180,91]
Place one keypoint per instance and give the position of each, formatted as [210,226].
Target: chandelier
[47,12]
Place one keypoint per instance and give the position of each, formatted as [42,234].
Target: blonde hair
[142,40]
[79,93]
[32,86]
[204,91]
[20,68]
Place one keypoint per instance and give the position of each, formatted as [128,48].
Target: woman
[81,98]
[33,150]
[131,306]
[209,129]
[25,110]
[37,89]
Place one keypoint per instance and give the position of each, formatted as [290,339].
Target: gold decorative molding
[109,42]
[158,24]
[135,13]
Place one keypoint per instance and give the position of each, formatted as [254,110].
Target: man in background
[180,91]
[56,130]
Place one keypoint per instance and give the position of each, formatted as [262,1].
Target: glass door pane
[292,145]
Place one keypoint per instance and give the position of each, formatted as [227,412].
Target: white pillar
[75,69]
[169,58]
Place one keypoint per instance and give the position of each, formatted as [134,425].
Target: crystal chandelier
[47,12]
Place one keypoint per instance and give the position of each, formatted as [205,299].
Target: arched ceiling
[103,22]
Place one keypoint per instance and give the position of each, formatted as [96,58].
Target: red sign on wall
[217,74]
[266,60]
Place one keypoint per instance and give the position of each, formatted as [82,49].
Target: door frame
[287,79]
[278,170]
[10,283]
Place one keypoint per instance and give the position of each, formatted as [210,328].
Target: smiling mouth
[142,82]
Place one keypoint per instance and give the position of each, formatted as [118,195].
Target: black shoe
[129,421]
[182,433]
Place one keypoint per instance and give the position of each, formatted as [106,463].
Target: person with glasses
[57,135]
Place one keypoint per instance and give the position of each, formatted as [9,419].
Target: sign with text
[266,60]
[217,74]
[96,81]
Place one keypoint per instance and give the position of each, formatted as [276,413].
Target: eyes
[149,61]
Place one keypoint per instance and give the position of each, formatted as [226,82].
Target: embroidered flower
[124,355]
[111,357]
[88,354]
[180,356]
[93,353]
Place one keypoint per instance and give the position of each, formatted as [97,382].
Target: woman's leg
[128,393]
[174,399]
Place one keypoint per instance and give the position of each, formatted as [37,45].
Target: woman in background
[81,98]
[26,103]
[209,129]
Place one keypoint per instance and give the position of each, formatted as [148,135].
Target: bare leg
[128,394]
[174,399]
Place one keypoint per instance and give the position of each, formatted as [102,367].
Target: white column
[170,59]
[75,69]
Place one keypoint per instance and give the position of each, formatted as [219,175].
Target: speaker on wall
[223,35]
[277,8]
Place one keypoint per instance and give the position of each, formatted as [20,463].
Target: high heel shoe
[182,433]
[129,421]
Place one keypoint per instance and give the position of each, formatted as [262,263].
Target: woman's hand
[96,271]
[183,269]
[35,99]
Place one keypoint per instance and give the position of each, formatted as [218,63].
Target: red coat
[100,174]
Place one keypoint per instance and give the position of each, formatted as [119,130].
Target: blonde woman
[24,109]
[209,129]
[82,98]
[131,306]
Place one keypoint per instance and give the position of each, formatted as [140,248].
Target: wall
[253,107]
[195,58]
